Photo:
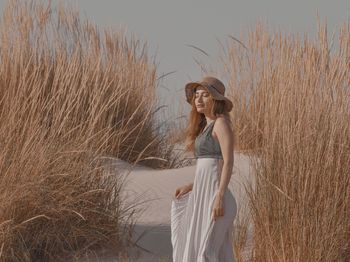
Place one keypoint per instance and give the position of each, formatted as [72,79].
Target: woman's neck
[210,119]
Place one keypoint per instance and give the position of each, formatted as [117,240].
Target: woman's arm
[190,185]
[224,134]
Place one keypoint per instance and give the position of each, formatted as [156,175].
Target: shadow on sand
[152,243]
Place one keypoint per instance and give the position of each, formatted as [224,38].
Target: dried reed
[69,94]
[292,110]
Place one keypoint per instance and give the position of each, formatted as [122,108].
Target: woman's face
[203,100]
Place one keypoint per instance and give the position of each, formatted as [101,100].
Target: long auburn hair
[197,121]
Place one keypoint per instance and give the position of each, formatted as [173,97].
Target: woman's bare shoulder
[223,118]
[222,124]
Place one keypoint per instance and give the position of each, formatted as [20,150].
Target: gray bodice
[206,145]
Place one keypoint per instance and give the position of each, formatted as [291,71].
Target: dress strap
[208,127]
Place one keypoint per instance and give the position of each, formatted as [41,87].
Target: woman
[202,213]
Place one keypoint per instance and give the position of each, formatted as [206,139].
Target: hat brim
[189,90]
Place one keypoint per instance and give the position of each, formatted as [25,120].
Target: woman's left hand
[218,207]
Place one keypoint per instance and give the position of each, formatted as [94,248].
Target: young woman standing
[202,213]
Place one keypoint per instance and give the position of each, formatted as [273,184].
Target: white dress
[195,236]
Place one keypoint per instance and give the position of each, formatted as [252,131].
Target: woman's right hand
[183,190]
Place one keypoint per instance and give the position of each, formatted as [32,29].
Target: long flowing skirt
[195,236]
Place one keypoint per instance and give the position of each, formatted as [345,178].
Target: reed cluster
[70,93]
[291,112]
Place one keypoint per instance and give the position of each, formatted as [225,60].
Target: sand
[152,190]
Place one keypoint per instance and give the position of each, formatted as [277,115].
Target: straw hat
[214,86]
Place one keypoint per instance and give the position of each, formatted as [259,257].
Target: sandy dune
[156,188]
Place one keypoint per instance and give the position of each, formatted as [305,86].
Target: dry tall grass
[70,93]
[292,109]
